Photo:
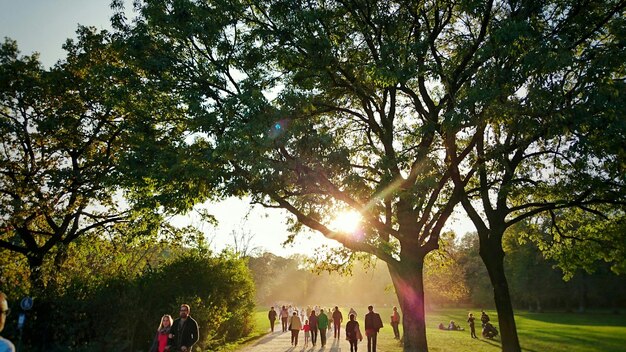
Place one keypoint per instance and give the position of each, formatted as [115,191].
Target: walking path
[281,342]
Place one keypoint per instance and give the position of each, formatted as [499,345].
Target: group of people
[315,322]
[488,330]
[176,335]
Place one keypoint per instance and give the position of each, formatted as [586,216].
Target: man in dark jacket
[373,323]
[184,331]
[337,320]
[271,315]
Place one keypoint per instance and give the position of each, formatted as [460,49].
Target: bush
[122,314]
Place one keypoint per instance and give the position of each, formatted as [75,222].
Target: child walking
[307,332]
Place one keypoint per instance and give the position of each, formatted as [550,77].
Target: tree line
[454,277]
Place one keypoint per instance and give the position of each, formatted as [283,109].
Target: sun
[347,221]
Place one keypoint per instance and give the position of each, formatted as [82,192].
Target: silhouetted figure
[395,322]
[322,325]
[295,325]
[313,325]
[353,333]
[489,331]
[271,315]
[470,320]
[337,320]
[373,324]
[484,318]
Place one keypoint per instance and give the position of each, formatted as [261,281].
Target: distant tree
[444,275]
[476,278]
[242,244]
[265,269]
[533,280]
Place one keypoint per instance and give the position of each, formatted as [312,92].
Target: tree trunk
[582,294]
[409,284]
[35,264]
[493,257]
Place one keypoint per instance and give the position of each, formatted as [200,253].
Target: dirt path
[281,342]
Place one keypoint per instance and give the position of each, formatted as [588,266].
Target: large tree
[62,132]
[353,124]
[382,107]
[546,111]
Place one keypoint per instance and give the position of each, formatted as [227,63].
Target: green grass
[538,332]
[261,327]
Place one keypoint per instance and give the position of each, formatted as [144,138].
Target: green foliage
[220,289]
[123,311]
[584,240]
[63,132]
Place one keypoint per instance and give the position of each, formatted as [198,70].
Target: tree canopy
[399,110]
[62,134]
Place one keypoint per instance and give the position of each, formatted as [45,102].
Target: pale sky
[44,25]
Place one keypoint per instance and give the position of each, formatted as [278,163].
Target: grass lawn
[538,332]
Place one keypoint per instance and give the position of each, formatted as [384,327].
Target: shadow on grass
[494,343]
[590,319]
[246,341]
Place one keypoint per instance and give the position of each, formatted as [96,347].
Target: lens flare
[347,221]
[278,129]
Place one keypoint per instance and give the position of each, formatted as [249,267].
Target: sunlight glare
[347,221]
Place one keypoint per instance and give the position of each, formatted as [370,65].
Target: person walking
[284,316]
[184,332]
[373,324]
[5,345]
[337,320]
[470,320]
[353,333]
[313,325]
[395,322]
[295,325]
[330,320]
[322,325]
[352,311]
[307,333]
[271,315]
[161,341]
